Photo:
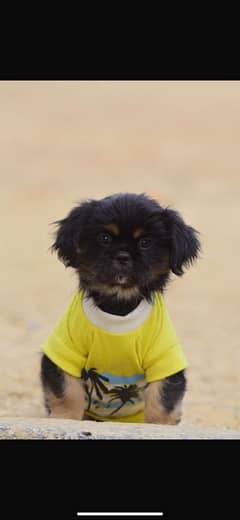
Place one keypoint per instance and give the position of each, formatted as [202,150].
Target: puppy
[114,354]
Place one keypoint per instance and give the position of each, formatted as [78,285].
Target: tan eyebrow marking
[138,232]
[113,228]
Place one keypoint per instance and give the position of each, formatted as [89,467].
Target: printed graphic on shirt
[106,397]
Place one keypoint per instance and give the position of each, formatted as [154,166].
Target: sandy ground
[179,141]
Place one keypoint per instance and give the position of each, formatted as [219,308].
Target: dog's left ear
[184,244]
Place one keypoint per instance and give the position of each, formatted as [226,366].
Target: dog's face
[125,245]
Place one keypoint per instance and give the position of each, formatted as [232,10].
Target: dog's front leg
[163,399]
[64,395]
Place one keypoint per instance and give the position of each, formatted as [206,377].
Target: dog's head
[125,245]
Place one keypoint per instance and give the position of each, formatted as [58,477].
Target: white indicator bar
[120,514]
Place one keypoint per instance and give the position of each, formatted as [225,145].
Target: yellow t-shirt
[116,356]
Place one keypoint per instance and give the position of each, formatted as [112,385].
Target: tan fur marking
[138,232]
[162,268]
[72,404]
[120,292]
[113,228]
[154,412]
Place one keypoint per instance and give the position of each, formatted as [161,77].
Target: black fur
[52,377]
[174,246]
[173,390]
[184,245]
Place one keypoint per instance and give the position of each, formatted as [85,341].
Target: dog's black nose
[123,257]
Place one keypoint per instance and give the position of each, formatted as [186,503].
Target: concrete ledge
[34,428]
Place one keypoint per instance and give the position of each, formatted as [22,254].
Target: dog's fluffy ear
[69,231]
[184,243]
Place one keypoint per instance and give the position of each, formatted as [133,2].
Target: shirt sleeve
[164,356]
[60,346]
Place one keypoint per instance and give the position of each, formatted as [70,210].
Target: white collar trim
[113,323]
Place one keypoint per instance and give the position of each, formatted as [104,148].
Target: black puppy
[114,353]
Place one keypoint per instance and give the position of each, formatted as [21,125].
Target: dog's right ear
[69,231]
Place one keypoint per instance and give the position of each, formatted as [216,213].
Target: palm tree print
[96,384]
[125,394]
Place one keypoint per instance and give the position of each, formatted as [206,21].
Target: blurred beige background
[63,141]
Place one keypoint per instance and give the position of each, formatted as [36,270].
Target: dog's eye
[104,239]
[145,243]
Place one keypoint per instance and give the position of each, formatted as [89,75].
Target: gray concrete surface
[35,428]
